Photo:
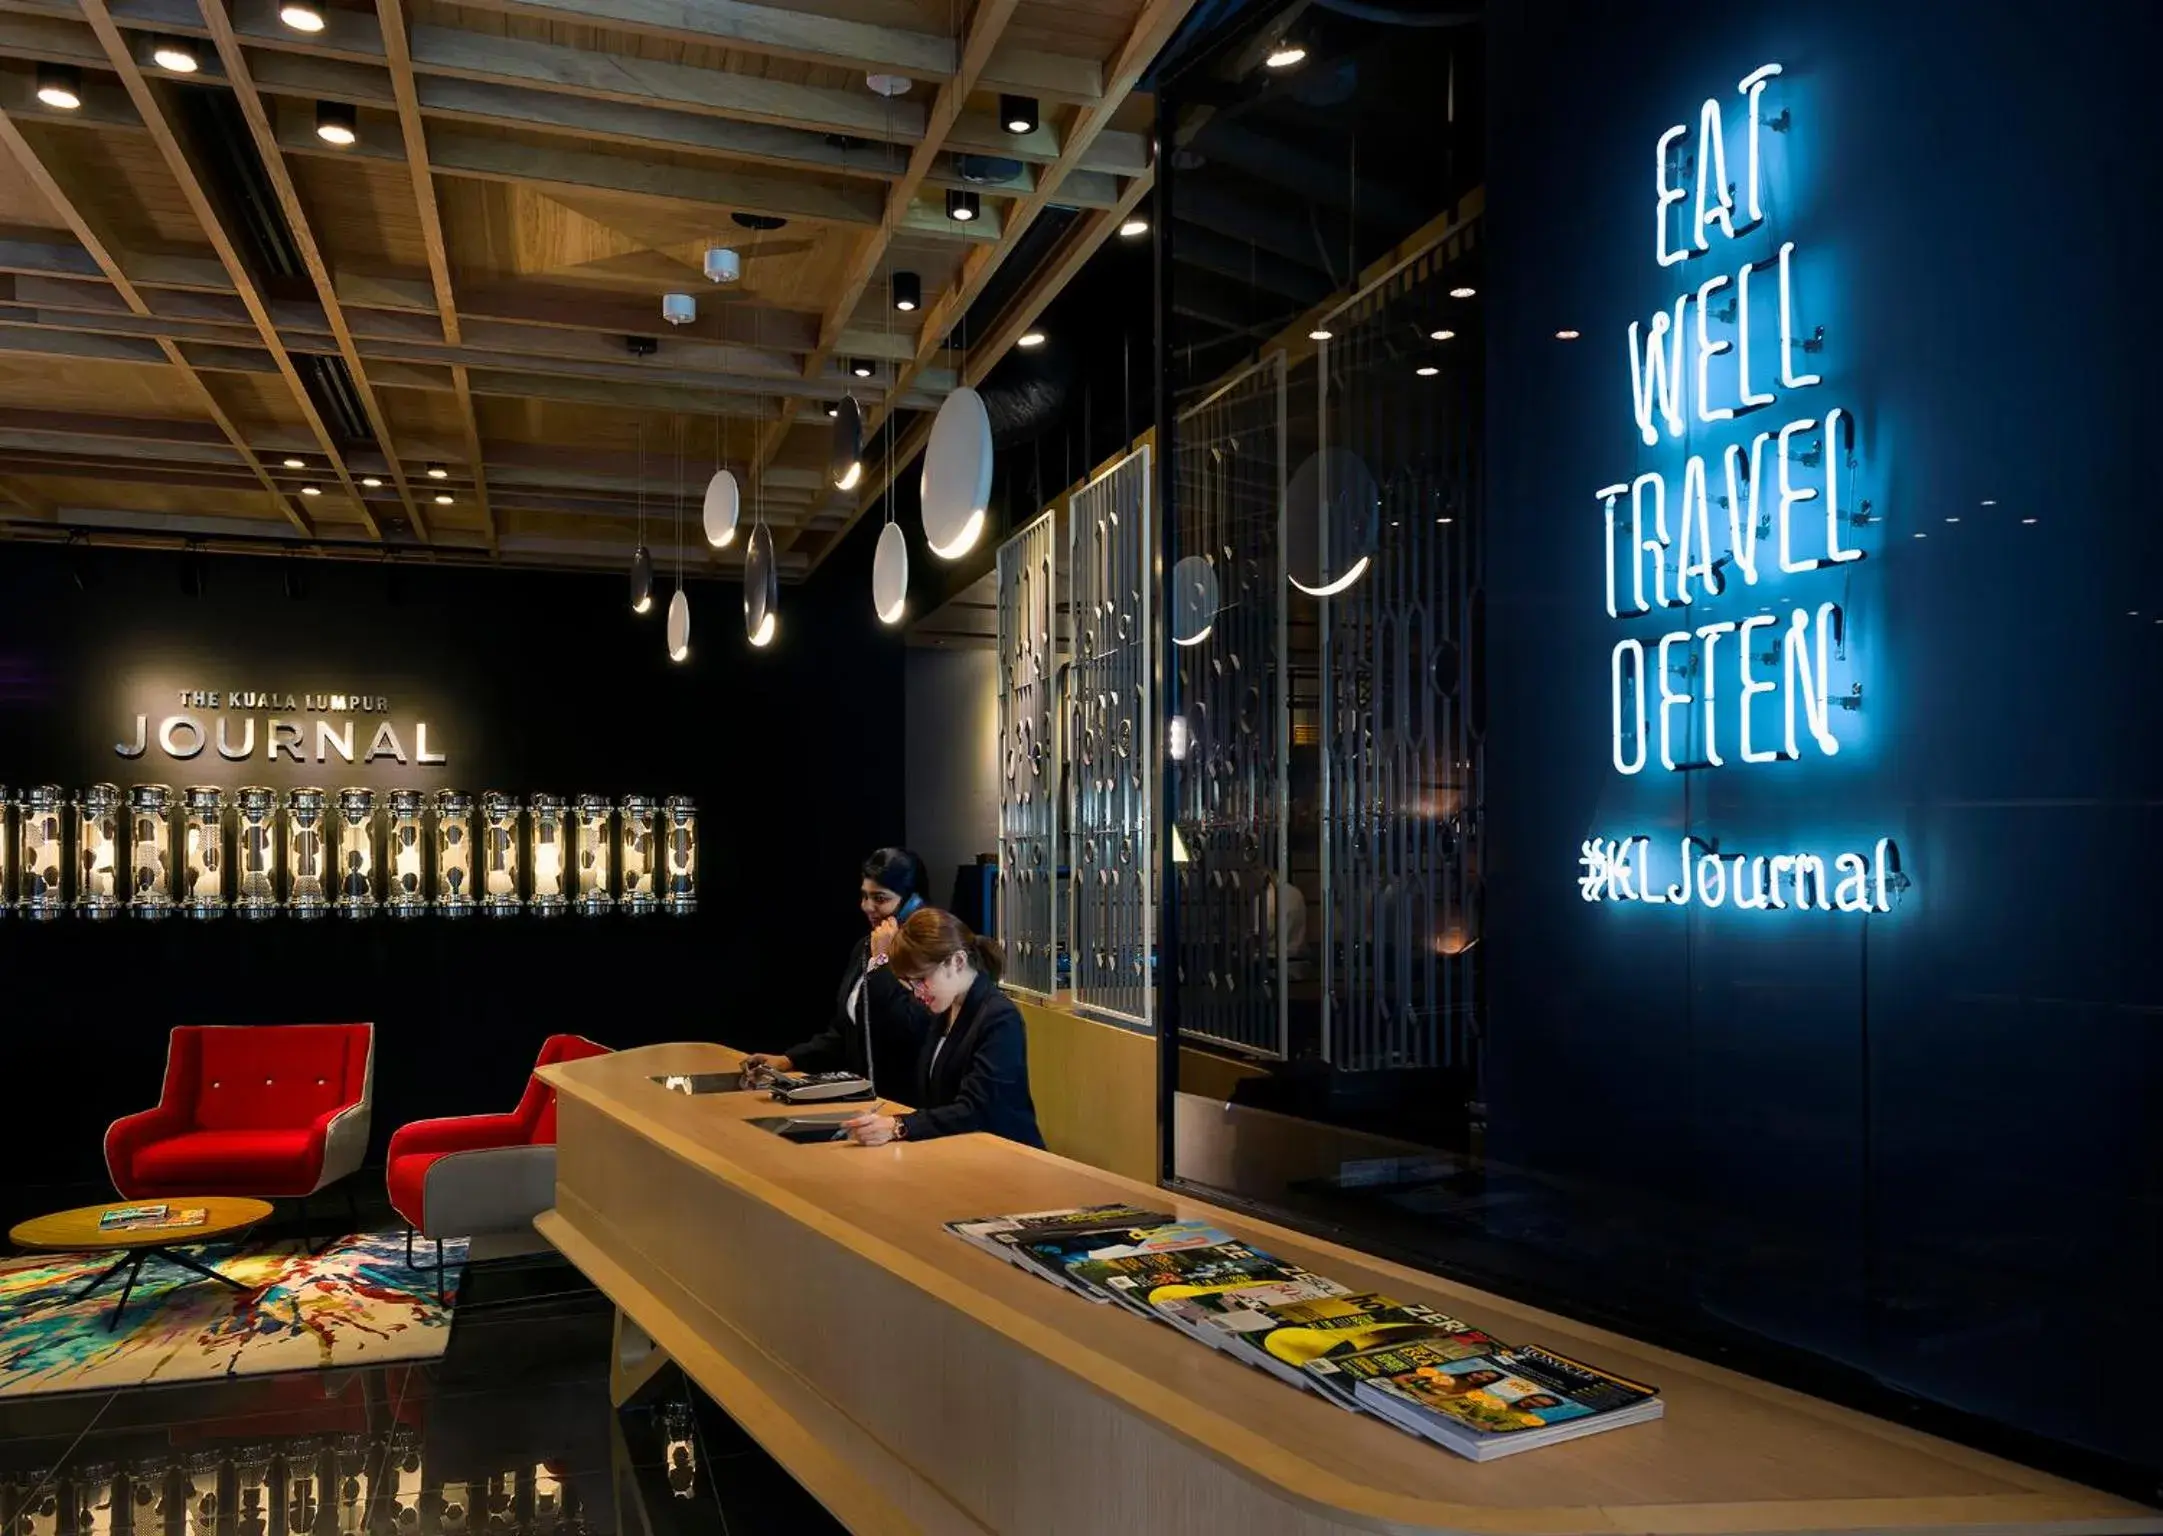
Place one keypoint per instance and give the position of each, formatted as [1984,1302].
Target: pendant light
[762,589]
[890,560]
[641,561]
[956,483]
[679,605]
[845,459]
[723,500]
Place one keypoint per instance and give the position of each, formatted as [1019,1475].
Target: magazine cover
[1144,1280]
[1523,1396]
[1311,1342]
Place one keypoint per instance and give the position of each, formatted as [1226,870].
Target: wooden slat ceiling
[196,290]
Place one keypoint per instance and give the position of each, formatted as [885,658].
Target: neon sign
[1763,498]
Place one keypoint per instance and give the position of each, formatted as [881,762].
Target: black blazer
[899,1024]
[979,1080]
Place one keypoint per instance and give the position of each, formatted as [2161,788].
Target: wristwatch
[901,1128]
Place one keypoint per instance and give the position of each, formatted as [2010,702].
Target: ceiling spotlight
[722,265]
[1320,333]
[1567,335]
[175,54]
[373,482]
[1284,53]
[861,368]
[1426,370]
[1444,334]
[1019,113]
[438,472]
[679,308]
[1462,293]
[443,498]
[337,122]
[908,291]
[311,490]
[60,85]
[1029,339]
[888,85]
[1134,229]
[962,205]
[293,463]
[301,15]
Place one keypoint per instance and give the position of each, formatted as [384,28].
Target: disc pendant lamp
[723,504]
[890,574]
[679,605]
[845,460]
[641,560]
[762,588]
[956,484]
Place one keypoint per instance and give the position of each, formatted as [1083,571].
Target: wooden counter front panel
[1011,1440]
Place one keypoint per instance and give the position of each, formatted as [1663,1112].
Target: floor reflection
[509,1434]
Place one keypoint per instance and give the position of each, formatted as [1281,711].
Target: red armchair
[482,1176]
[276,1113]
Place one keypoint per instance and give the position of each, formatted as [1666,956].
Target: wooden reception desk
[913,1383]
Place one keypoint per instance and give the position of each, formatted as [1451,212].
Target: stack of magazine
[151,1218]
[1408,1365]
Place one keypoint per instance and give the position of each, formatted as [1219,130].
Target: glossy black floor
[510,1432]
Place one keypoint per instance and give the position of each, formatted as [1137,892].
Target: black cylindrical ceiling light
[1018,113]
[962,205]
[337,122]
[60,85]
[908,291]
[845,461]
[861,367]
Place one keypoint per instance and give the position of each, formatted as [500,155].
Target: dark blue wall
[1926,1144]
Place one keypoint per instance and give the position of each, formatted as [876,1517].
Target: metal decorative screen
[1029,790]
[1113,924]
[1230,738]
[1401,725]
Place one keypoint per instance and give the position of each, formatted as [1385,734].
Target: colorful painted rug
[354,1304]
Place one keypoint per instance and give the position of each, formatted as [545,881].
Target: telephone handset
[901,915]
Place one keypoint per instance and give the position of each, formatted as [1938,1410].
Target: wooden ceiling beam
[986,24]
[791,34]
[102,254]
[298,224]
[181,163]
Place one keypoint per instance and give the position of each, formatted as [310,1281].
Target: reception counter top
[912,1382]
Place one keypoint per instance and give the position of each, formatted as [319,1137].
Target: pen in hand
[842,1132]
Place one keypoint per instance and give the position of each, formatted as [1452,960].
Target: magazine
[123,1217]
[1056,1256]
[1289,1339]
[1488,1405]
[1145,1282]
[1077,1230]
[157,1218]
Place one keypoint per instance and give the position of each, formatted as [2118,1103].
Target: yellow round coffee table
[78,1231]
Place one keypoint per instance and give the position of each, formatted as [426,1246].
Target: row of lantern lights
[355,853]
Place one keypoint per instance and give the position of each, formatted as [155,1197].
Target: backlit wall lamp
[454,853]
[307,853]
[407,854]
[499,854]
[337,122]
[356,852]
[596,854]
[41,851]
[1018,113]
[962,205]
[61,86]
[202,852]
[679,853]
[255,851]
[908,291]
[150,851]
[635,833]
[97,852]
[548,830]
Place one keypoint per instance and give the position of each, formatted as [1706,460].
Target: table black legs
[135,1270]
[133,1262]
[175,1256]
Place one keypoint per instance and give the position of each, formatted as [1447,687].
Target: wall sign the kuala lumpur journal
[1743,691]
[186,733]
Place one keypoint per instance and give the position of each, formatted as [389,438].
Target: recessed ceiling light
[1133,229]
[1567,335]
[860,368]
[438,472]
[372,482]
[311,490]
[337,122]
[60,85]
[1030,339]
[1462,293]
[962,205]
[1284,54]
[1320,333]
[443,498]
[1426,370]
[1019,113]
[175,54]
[833,410]
[1443,519]
[2027,520]
[1952,519]
[293,463]
[301,15]
[1922,535]
[1441,335]
[1989,502]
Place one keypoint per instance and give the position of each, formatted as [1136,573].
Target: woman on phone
[869,1001]
[973,1069]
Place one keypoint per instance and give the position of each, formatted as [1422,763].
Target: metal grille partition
[1109,733]
[1231,740]
[1029,757]
[1401,719]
